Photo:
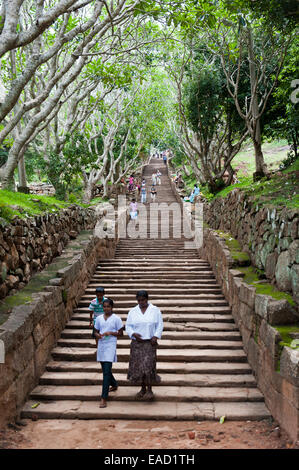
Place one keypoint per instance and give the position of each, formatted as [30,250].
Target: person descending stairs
[200,358]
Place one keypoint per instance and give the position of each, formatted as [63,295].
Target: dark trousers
[108,378]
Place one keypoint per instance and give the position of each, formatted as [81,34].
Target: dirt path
[116,434]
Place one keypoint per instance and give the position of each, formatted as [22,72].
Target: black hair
[142,293]
[100,290]
[109,301]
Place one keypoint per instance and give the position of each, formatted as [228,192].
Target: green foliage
[289,161]
[26,205]
[3,155]
[280,190]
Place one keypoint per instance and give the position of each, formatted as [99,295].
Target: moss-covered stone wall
[270,236]
[268,323]
[29,245]
[33,318]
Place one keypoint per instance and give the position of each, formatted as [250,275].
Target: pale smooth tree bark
[60,80]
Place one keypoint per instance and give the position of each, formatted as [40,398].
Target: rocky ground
[122,434]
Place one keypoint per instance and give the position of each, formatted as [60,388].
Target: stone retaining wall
[33,328]
[269,235]
[276,370]
[28,245]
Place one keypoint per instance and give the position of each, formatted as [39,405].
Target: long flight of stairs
[204,370]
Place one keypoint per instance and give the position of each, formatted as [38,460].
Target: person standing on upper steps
[143,194]
[159,174]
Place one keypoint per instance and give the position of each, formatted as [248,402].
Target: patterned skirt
[142,364]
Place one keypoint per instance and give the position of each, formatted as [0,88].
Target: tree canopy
[89,87]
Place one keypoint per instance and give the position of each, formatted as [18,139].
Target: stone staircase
[204,370]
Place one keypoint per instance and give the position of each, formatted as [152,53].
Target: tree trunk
[22,173]
[260,166]
[88,192]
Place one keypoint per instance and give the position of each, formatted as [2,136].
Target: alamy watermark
[154,221]
[294,97]
[2,352]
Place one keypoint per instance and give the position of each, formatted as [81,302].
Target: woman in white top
[144,326]
[108,327]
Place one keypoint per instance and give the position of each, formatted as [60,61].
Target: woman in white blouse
[144,326]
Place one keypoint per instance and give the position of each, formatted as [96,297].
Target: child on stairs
[108,328]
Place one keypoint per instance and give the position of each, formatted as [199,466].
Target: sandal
[112,389]
[149,396]
[140,394]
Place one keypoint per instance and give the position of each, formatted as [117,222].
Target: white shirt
[107,344]
[147,324]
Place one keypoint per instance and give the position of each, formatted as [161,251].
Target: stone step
[200,357]
[77,330]
[152,262]
[184,252]
[176,326]
[163,275]
[165,393]
[176,305]
[199,380]
[224,320]
[153,284]
[76,409]
[186,355]
[148,269]
[147,256]
[162,367]
[199,309]
[122,296]
[72,339]
[155,292]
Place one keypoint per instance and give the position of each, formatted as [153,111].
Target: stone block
[42,354]
[253,354]
[289,365]
[294,252]
[37,335]
[280,312]
[283,272]
[270,338]
[247,294]
[295,281]
[246,316]
[261,304]
[23,354]
[25,383]
[270,265]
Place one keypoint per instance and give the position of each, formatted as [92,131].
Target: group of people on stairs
[156,180]
[144,326]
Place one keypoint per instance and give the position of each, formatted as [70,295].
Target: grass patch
[98,200]
[253,277]
[27,205]
[274,153]
[241,257]
[280,190]
[285,331]
[287,339]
